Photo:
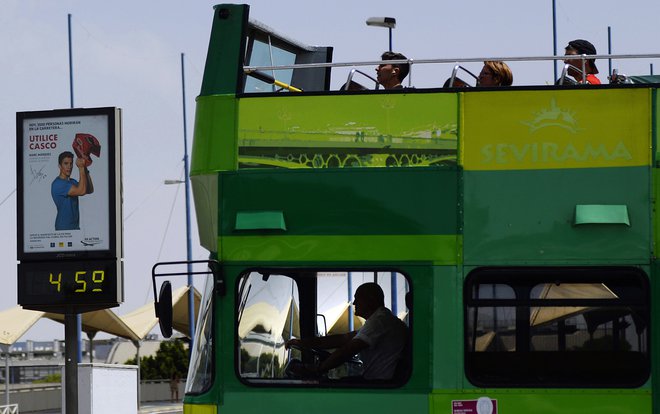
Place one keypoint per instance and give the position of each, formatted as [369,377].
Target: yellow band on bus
[556,129]
[199,409]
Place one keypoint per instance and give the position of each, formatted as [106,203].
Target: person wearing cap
[582,47]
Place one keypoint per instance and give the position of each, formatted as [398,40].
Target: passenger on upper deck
[495,73]
[582,47]
[391,76]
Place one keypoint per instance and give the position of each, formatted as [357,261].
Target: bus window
[275,306]
[558,328]
[264,55]
[267,317]
[265,47]
[201,360]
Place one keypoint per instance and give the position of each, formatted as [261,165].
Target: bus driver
[379,342]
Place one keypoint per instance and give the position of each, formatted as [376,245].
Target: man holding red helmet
[66,190]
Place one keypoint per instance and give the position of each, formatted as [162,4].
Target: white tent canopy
[143,319]
[136,325]
[104,320]
[14,322]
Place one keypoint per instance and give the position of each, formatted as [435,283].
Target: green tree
[171,358]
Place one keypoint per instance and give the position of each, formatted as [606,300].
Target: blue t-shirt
[68,216]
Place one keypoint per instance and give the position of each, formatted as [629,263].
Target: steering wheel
[319,354]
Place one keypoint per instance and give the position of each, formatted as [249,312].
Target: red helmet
[84,145]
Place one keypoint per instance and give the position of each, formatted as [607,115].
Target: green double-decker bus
[512,229]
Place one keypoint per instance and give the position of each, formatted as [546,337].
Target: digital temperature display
[61,284]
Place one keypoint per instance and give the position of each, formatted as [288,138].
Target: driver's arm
[342,355]
[322,342]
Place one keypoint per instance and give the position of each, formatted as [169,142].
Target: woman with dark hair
[495,73]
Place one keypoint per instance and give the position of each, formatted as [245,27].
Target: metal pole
[350,299]
[554,36]
[191,290]
[6,374]
[72,321]
[390,38]
[395,307]
[71,105]
[137,361]
[609,48]
[71,364]
[90,337]
[70,64]
[651,68]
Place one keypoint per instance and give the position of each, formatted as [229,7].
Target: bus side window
[275,305]
[557,327]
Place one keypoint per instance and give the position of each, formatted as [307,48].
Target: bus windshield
[201,361]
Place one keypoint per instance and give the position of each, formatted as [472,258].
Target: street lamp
[389,22]
[191,301]
[186,181]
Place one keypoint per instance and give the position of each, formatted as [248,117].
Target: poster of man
[66,178]
[66,190]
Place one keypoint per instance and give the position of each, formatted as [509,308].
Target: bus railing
[459,61]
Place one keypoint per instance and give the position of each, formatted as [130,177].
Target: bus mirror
[164,309]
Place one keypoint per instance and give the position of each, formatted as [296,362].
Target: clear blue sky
[127,54]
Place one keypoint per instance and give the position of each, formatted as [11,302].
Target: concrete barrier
[33,398]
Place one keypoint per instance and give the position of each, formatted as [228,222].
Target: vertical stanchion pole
[395,305]
[609,49]
[71,363]
[350,299]
[554,36]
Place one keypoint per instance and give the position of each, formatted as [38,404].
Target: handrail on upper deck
[583,58]
[564,72]
[350,78]
[455,71]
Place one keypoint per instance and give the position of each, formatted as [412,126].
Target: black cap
[584,47]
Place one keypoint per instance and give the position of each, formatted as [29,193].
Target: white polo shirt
[386,336]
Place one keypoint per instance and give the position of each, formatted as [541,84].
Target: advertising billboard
[69,206]
[67,179]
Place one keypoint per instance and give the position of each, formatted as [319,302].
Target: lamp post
[186,181]
[191,297]
[389,22]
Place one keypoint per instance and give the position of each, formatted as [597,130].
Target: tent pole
[6,374]
[137,344]
[90,337]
